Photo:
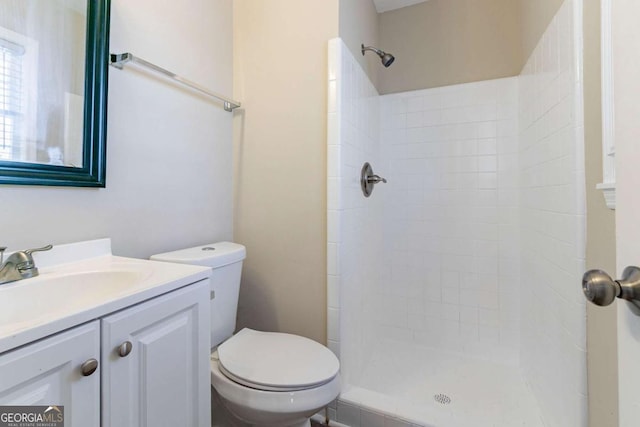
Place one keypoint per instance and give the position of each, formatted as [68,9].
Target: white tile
[348,414]
[450,295]
[334,232]
[432,101]
[414,104]
[333,291]
[489,334]
[487,130]
[333,161]
[334,346]
[333,265]
[487,146]
[469,298]
[334,199]
[433,309]
[414,120]
[432,118]
[487,180]
[333,414]
[399,106]
[371,419]
[487,164]
[489,317]
[469,315]
[333,324]
[416,321]
[399,121]
[395,422]
[333,97]
[451,312]
[488,299]
[333,129]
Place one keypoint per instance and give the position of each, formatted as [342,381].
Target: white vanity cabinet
[164,379]
[159,377]
[49,372]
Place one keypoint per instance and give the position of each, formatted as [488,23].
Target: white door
[626,66]
[156,371]
[49,372]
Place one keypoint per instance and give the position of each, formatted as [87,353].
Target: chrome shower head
[387,58]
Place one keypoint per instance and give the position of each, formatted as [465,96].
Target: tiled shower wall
[354,222]
[451,222]
[553,334]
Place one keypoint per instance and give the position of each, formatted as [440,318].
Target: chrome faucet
[19,265]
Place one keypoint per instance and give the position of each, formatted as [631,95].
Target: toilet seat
[275,361]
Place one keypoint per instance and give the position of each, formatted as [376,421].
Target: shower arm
[364,48]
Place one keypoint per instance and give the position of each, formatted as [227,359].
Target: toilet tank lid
[212,255]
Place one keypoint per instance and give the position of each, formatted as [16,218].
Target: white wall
[280,74]
[553,226]
[354,223]
[443,42]
[169,152]
[451,219]
[602,336]
[359,25]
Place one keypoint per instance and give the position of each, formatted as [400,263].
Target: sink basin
[80,282]
[46,296]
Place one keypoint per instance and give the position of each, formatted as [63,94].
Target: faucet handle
[42,249]
[2,249]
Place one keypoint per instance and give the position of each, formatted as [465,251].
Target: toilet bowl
[274,379]
[263,379]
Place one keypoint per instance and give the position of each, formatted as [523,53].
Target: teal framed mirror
[54,58]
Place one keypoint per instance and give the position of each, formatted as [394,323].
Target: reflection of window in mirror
[42,63]
[18,95]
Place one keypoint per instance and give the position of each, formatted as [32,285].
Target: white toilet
[265,379]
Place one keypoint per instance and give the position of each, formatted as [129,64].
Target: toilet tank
[225,258]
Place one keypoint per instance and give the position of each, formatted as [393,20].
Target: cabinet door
[165,379]
[48,372]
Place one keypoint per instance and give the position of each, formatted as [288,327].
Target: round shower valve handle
[368,179]
[600,289]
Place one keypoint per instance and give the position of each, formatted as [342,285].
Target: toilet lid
[276,361]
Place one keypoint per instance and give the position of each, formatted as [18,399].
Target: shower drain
[442,399]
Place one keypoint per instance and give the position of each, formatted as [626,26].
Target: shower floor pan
[435,388]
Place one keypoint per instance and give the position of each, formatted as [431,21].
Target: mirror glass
[53,57]
[42,56]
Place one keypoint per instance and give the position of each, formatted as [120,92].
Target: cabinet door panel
[47,372]
[165,380]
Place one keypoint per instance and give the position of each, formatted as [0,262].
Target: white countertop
[80,282]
